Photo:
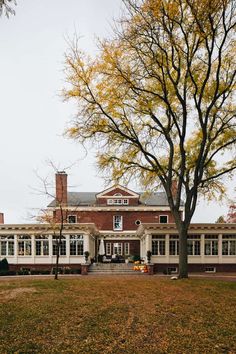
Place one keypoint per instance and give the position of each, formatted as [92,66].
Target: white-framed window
[7,247]
[72,219]
[55,242]
[108,248]
[41,245]
[163,219]
[194,245]
[117,248]
[174,245]
[24,245]
[117,201]
[126,249]
[76,245]
[210,269]
[211,245]
[117,222]
[229,245]
[158,245]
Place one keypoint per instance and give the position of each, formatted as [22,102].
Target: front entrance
[123,248]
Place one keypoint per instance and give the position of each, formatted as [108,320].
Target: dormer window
[118,201]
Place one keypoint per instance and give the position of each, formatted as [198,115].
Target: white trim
[117,186]
[167,219]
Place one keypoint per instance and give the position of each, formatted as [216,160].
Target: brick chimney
[61,187]
[1,218]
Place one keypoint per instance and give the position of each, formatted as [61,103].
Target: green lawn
[130,314]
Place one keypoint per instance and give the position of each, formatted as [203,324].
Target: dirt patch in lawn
[6,295]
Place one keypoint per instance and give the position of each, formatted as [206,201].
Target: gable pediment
[117,191]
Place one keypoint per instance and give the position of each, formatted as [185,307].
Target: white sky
[32,114]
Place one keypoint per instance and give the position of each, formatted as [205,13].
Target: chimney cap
[61,172]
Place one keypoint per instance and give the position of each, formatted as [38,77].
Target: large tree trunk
[183,253]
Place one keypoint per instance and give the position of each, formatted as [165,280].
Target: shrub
[4,266]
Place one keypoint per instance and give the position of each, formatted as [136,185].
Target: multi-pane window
[163,219]
[72,219]
[24,245]
[158,245]
[118,201]
[41,245]
[117,222]
[7,245]
[211,245]
[76,245]
[55,244]
[229,245]
[117,248]
[174,245]
[194,245]
[126,248]
[108,248]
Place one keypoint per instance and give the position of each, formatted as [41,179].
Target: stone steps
[112,268]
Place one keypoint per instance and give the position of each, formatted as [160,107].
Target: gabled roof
[89,199]
[113,190]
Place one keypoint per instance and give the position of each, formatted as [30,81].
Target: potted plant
[86,256]
[149,255]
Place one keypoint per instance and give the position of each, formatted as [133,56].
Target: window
[117,222]
[163,219]
[24,245]
[76,245]
[117,248]
[174,245]
[126,248]
[229,245]
[41,246]
[117,201]
[108,248]
[210,269]
[7,245]
[72,219]
[55,243]
[211,245]
[158,245]
[194,248]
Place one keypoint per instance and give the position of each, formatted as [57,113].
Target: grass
[117,315]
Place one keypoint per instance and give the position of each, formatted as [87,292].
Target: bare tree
[56,215]
[5,7]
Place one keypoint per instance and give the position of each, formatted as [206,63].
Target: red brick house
[125,223]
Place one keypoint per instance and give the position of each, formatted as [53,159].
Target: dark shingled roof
[89,199]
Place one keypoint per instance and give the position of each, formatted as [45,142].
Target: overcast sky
[32,113]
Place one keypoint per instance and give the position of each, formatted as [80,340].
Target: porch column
[220,248]
[167,244]
[50,246]
[86,244]
[202,248]
[33,247]
[148,244]
[15,249]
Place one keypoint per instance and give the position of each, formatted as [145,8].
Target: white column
[167,240]
[202,248]
[50,245]
[32,247]
[16,248]
[148,244]
[86,243]
[220,248]
[67,248]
